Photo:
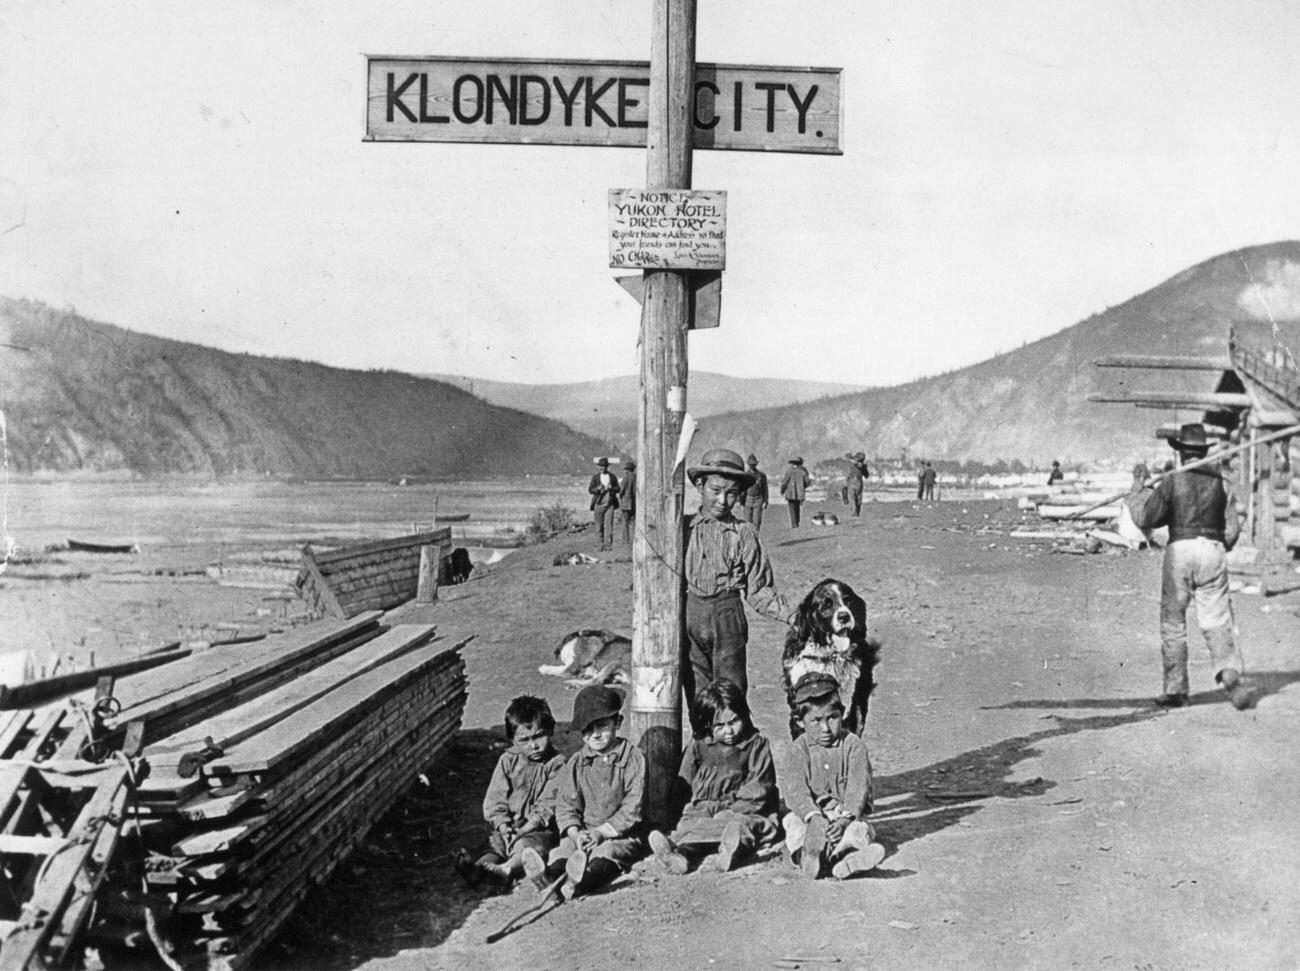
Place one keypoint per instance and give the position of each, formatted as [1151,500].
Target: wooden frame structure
[370,576]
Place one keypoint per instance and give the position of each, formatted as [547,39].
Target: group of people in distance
[573,825]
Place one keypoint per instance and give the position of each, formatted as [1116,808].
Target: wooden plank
[87,883]
[315,582]
[303,727]
[10,733]
[417,540]
[58,875]
[30,845]
[212,673]
[49,723]
[235,724]
[46,690]
[1164,362]
[1174,399]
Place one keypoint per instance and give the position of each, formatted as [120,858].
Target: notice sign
[528,102]
[667,229]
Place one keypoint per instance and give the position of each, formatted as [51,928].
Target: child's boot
[464,866]
[667,854]
[814,847]
[858,861]
[534,867]
[599,872]
[575,871]
[733,840]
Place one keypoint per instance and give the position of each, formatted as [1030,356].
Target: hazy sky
[197,170]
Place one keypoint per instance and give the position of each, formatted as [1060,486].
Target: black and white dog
[592,657]
[829,636]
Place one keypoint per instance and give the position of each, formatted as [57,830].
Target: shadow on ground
[944,793]
[1263,684]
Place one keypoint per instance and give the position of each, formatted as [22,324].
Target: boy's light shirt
[725,554]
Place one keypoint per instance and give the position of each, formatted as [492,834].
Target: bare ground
[1038,812]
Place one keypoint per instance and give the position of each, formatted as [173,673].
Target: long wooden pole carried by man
[657,593]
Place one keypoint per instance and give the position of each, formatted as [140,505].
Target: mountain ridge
[85,396]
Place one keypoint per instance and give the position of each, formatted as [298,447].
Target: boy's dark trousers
[716,634]
[794,505]
[754,514]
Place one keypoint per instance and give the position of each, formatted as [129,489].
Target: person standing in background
[604,500]
[928,477]
[756,495]
[794,487]
[627,501]
[855,480]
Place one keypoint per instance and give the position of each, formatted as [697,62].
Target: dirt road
[1039,813]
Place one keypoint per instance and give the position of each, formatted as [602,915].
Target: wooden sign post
[658,587]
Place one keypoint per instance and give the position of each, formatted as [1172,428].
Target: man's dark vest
[1196,504]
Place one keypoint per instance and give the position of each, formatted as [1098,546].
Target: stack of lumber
[247,809]
[372,576]
[253,771]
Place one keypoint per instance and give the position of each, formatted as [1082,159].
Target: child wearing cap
[828,787]
[725,565]
[598,801]
[520,800]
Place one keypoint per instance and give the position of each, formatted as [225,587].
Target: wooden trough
[372,576]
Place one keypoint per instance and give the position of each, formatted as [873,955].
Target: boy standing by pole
[725,565]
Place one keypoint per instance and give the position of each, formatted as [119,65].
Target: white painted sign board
[668,229]
[562,102]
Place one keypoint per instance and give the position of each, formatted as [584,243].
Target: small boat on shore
[81,546]
[453,517]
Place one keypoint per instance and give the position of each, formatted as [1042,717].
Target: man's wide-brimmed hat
[797,460]
[752,459]
[860,456]
[594,702]
[1191,438]
[603,462]
[629,465]
[721,461]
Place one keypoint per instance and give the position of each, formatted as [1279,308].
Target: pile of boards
[267,763]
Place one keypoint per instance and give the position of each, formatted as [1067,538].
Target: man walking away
[1200,510]
[794,487]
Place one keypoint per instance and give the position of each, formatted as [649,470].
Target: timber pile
[268,763]
[373,576]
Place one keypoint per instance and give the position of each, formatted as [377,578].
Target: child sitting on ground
[598,799]
[727,783]
[520,799]
[828,787]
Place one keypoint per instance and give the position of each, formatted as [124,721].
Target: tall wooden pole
[657,587]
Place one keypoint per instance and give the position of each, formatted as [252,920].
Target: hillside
[1030,404]
[608,408]
[81,396]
